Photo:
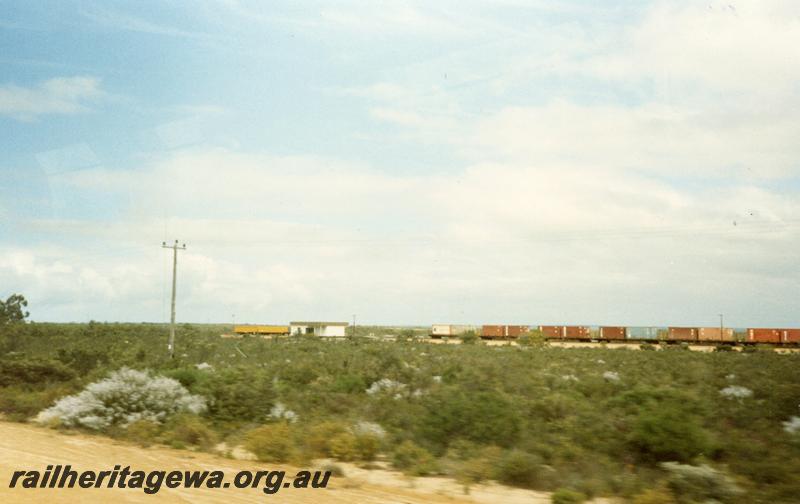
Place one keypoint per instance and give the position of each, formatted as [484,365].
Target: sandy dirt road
[27,447]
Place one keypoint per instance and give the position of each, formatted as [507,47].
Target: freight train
[622,333]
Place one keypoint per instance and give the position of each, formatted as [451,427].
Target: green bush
[481,417]
[367,447]
[668,433]
[188,377]
[533,338]
[658,495]
[469,338]
[566,496]
[21,403]
[318,437]
[413,459]
[347,446]
[343,447]
[518,468]
[143,432]
[271,443]
[190,430]
[33,371]
[237,395]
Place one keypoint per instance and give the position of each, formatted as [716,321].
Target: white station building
[323,329]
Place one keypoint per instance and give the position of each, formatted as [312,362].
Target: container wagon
[682,334]
[612,333]
[763,335]
[576,332]
[440,330]
[444,330]
[515,331]
[715,334]
[790,335]
[552,332]
[642,333]
[493,331]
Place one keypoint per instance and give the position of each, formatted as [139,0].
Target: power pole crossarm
[175,248]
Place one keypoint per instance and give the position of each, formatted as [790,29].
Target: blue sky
[410,162]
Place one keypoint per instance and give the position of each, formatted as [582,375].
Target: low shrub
[658,495]
[518,468]
[124,397]
[567,496]
[470,338]
[413,459]
[142,432]
[271,443]
[667,433]
[19,403]
[189,430]
[318,437]
[343,447]
[700,483]
[33,371]
[361,441]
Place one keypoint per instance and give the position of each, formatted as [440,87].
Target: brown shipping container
[683,334]
[493,331]
[790,335]
[552,331]
[713,334]
[764,335]
[515,331]
[616,333]
[576,332]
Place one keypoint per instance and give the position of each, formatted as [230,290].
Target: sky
[522,162]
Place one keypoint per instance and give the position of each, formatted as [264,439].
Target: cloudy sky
[514,161]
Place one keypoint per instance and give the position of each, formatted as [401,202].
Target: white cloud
[746,50]
[680,142]
[63,95]
[273,238]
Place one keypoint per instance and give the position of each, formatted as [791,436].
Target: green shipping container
[643,333]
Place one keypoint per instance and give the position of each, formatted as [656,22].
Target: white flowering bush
[736,392]
[385,385]
[612,376]
[792,426]
[281,412]
[364,428]
[126,396]
[700,483]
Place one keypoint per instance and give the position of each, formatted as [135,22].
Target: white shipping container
[440,330]
[456,330]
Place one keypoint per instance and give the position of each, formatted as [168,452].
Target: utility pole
[354,325]
[175,248]
[720,327]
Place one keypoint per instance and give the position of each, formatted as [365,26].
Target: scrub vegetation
[671,426]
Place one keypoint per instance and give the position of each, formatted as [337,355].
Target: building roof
[319,324]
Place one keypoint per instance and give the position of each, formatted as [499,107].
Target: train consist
[621,333]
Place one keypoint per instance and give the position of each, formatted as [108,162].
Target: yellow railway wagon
[261,329]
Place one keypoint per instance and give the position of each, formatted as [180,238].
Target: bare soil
[28,447]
